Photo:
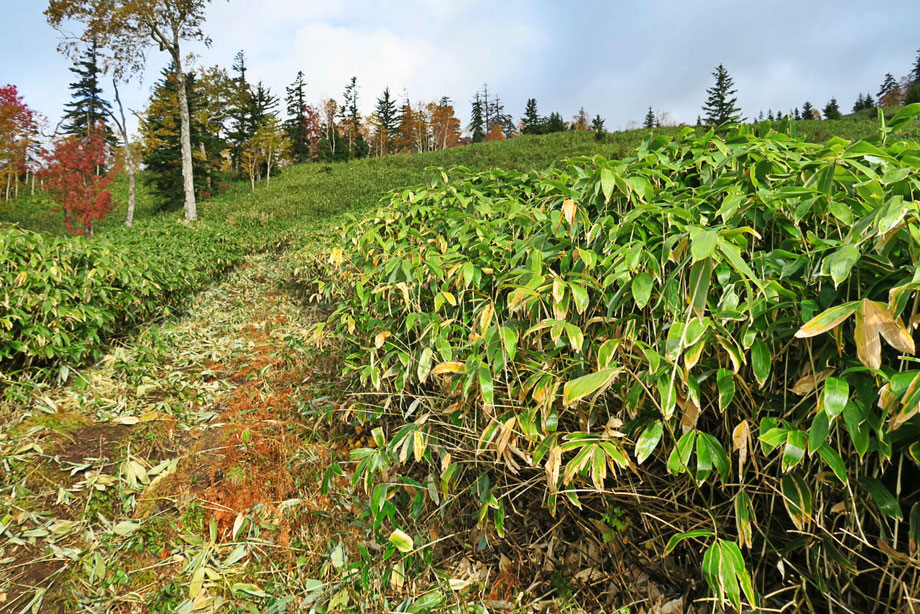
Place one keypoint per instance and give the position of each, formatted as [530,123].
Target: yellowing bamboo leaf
[741,439]
[449,367]
[568,210]
[581,387]
[809,382]
[826,320]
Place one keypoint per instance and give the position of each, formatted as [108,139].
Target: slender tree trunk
[188,179]
[129,160]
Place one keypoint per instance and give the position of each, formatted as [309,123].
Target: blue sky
[613,58]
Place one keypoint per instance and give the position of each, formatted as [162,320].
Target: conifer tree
[860,103]
[597,125]
[532,123]
[888,86]
[477,120]
[832,109]
[239,112]
[808,111]
[649,119]
[868,102]
[915,72]
[722,105]
[555,123]
[296,126]
[796,115]
[350,120]
[88,110]
[388,116]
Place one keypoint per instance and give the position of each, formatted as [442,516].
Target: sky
[614,58]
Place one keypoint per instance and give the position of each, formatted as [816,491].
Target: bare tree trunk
[33,184]
[129,160]
[188,179]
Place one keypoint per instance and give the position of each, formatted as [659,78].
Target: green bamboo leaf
[834,461]
[761,361]
[840,263]
[883,498]
[703,245]
[725,382]
[485,385]
[585,385]
[648,441]
[676,539]
[835,396]
[642,289]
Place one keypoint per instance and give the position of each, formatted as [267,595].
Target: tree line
[202,125]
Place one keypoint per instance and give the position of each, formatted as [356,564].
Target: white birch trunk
[188,179]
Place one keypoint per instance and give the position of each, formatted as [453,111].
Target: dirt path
[184,471]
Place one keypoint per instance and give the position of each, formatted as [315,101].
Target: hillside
[476,393]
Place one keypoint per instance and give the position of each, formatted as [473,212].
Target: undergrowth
[699,347]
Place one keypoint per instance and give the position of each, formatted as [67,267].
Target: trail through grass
[185,474]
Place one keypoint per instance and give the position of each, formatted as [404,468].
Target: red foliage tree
[73,180]
[17,127]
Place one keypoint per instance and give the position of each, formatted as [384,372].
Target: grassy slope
[309,191]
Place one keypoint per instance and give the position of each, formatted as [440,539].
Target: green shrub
[710,334]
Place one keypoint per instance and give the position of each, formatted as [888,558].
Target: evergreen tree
[477,120]
[832,110]
[915,72]
[162,148]
[296,126]
[796,115]
[263,104]
[87,111]
[721,105]
[770,115]
[388,116]
[597,125]
[649,119]
[888,86]
[239,111]
[860,104]
[913,93]
[555,123]
[699,120]
[350,120]
[808,111]
[532,123]
[868,101]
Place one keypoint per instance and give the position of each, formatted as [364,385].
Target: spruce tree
[296,124]
[388,115]
[87,111]
[860,104]
[532,123]
[555,123]
[649,119]
[832,110]
[915,72]
[808,111]
[350,120]
[888,86]
[239,111]
[722,105]
[796,115]
[597,125]
[868,102]
[477,121]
